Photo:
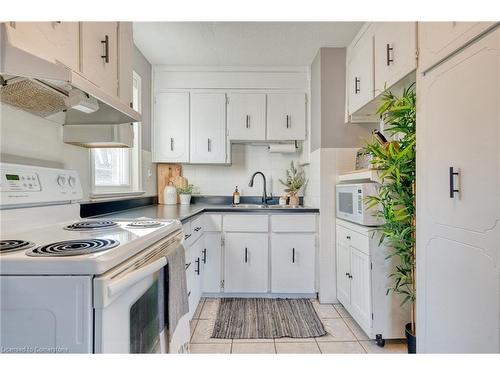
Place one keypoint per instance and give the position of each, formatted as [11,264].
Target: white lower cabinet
[246,263]
[194,274]
[293,262]
[363,277]
[211,262]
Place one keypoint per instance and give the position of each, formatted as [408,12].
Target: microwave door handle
[134,277]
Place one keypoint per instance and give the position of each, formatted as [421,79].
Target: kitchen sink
[264,206]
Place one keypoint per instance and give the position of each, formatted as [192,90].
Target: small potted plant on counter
[185,193]
[295,179]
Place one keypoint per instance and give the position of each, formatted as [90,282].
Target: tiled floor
[343,335]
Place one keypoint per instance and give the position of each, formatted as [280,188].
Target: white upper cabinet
[360,83]
[286,116]
[395,52]
[171,127]
[52,41]
[208,128]
[99,48]
[246,116]
[439,39]
[125,62]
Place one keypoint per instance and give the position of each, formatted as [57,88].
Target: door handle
[187,265]
[452,183]
[357,82]
[171,144]
[389,49]
[288,121]
[248,122]
[197,270]
[197,229]
[204,252]
[106,48]
[186,236]
[293,255]
[246,255]
[209,146]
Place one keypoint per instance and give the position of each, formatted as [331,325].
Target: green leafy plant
[295,179]
[396,194]
[189,189]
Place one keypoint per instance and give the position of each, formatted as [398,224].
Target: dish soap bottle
[236,196]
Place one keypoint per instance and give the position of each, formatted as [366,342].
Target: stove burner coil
[92,225]
[144,224]
[73,247]
[7,246]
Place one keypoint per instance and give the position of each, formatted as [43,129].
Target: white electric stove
[73,285]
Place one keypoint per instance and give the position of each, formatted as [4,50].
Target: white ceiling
[239,43]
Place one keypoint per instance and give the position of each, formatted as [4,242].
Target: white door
[99,54]
[170,136]
[439,39]
[458,232]
[395,50]
[286,117]
[343,267]
[246,116]
[211,262]
[52,41]
[292,263]
[360,288]
[208,128]
[246,263]
[125,62]
[360,84]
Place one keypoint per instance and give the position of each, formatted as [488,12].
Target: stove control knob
[71,181]
[61,180]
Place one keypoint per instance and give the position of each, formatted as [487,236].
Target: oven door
[129,303]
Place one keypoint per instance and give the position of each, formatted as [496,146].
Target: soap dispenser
[236,197]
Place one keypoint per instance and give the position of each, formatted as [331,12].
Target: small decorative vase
[294,200]
[185,199]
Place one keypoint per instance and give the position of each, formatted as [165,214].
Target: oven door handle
[133,277]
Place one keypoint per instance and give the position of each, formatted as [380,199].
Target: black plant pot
[411,340]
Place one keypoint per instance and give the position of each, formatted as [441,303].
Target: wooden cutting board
[169,173]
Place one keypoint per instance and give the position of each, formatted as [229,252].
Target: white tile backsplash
[246,159]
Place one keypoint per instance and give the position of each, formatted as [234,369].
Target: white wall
[246,159]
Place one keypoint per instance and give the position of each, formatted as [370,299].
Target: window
[116,171]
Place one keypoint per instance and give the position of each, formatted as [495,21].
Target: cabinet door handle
[348,237]
[293,255]
[388,50]
[248,122]
[452,183]
[189,293]
[187,265]
[347,274]
[357,82]
[246,255]
[350,276]
[204,252]
[186,236]
[288,121]
[197,270]
[197,229]
[171,144]
[106,48]
[209,145]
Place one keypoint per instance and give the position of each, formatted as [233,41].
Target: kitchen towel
[178,304]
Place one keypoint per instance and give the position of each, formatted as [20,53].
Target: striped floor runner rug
[266,318]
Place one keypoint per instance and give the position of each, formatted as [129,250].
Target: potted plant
[185,193]
[396,194]
[295,179]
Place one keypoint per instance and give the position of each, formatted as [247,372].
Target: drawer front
[212,222]
[245,223]
[197,227]
[354,239]
[293,223]
[188,237]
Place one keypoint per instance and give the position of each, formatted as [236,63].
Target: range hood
[44,88]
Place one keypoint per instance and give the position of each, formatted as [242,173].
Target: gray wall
[143,68]
[328,130]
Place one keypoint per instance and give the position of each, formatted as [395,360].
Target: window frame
[135,158]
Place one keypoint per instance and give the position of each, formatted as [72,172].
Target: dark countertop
[184,213]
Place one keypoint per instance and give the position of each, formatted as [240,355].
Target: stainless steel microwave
[351,203]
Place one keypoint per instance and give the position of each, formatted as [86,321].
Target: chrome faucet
[265,198]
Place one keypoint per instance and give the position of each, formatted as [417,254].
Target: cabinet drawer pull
[197,270]
[389,49]
[186,236]
[204,252]
[171,144]
[248,122]
[197,229]
[187,265]
[357,82]
[288,121]
[348,237]
[293,255]
[106,48]
[452,183]
[246,255]
[189,294]
[209,145]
